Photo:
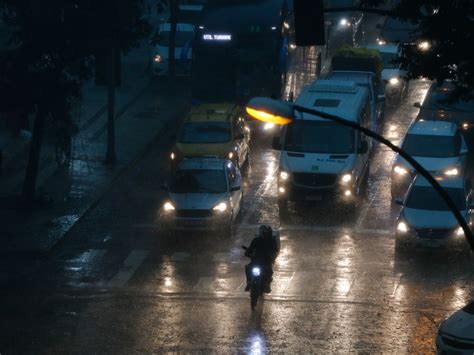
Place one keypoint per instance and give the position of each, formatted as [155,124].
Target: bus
[247,48]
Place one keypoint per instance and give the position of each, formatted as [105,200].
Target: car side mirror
[239,136]
[417,104]
[399,201]
[276,143]
[363,147]
[380,98]
[235,188]
[164,187]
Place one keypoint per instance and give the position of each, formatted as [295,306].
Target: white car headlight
[400,170]
[157,58]
[459,231]
[168,206]
[221,207]
[284,175]
[394,81]
[346,178]
[256,271]
[402,227]
[451,172]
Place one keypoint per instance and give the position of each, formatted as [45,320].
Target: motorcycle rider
[262,250]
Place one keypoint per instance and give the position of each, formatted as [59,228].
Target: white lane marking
[130,265]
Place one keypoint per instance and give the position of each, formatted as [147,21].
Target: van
[321,159]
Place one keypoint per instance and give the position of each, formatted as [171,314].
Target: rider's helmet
[265,231]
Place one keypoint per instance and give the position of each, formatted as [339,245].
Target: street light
[275,111]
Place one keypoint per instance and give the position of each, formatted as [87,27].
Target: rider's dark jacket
[263,249]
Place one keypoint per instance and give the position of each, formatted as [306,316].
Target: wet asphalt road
[119,284]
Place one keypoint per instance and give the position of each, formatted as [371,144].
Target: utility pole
[173,22]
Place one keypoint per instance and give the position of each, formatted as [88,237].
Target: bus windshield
[319,137]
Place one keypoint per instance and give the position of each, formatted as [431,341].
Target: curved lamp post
[278,112]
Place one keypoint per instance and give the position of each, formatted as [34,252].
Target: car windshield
[426,198]
[205,132]
[199,181]
[431,146]
[182,38]
[319,137]
[390,60]
[439,99]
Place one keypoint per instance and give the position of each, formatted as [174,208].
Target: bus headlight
[400,170]
[284,175]
[346,178]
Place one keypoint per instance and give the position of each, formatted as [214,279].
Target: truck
[363,66]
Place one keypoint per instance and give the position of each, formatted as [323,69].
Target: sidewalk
[142,112]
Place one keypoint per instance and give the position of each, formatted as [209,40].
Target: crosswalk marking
[130,265]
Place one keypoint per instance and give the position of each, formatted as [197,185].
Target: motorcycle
[257,275]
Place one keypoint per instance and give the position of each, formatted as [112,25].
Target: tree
[446,38]
[52,54]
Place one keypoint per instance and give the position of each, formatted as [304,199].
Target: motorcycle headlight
[346,178]
[221,207]
[172,155]
[402,227]
[400,170]
[394,81]
[168,206]
[157,58]
[256,271]
[451,172]
[284,175]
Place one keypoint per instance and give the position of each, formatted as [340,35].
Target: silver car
[203,194]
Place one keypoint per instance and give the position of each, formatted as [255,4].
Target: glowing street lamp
[278,112]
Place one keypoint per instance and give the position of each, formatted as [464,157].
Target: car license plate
[314,198]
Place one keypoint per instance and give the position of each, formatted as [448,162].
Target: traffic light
[309,22]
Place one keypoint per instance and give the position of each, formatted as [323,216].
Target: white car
[183,51]
[438,146]
[204,194]
[426,219]
[395,78]
[456,333]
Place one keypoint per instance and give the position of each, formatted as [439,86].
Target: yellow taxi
[213,129]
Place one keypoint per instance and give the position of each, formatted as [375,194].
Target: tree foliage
[51,50]
[448,28]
